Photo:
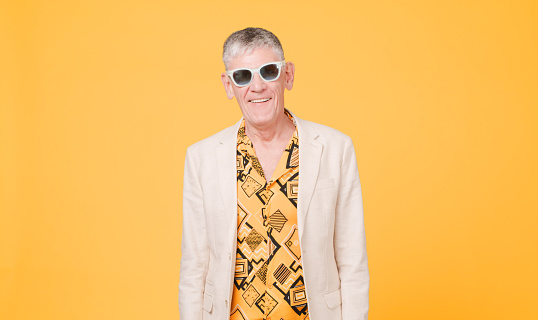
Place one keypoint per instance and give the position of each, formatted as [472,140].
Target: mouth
[259,100]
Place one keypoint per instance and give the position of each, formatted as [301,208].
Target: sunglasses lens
[242,77]
[269,72]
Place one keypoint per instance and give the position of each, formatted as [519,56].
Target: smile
[259,100]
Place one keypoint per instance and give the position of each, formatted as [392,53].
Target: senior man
[273,224]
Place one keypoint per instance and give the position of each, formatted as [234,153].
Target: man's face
[261,102]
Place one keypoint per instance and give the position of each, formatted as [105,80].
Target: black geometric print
[241,215]
[242,175]
[254,239]
[297,266]
[242,283]
[290,188]
[266,303]
[250,186]
[237,314]
[240,162]
[293,155]
[257,166]
[282,273]
[262,273]
[297,297]
[264,217]
[274,246]
[251,295]
[264,194]
[242,268]
[240,280]
[292,243]
[241,132]
[277,220]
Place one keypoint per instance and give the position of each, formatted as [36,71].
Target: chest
[269,158]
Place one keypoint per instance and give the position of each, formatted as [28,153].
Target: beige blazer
[330,222]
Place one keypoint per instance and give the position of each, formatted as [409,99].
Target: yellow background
[99,100]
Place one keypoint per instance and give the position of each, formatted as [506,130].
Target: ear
[290,74]
[227,85]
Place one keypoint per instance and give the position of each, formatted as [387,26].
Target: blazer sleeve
[350,240]
[194,245]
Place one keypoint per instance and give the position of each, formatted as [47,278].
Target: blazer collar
[310,150]
[226,157]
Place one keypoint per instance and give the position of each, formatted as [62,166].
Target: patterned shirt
[268,282]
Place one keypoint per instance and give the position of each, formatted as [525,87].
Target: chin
[262,115]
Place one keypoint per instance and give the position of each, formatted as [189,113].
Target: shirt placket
[268,278]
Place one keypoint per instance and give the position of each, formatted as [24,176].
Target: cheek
[275,91]
[240,94]
[278,94]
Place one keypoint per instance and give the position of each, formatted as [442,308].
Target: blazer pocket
[333,298]
[208,302]
[324,184]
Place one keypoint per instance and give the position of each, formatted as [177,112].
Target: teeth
[259,100]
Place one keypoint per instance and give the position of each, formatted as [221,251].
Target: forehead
[253,59]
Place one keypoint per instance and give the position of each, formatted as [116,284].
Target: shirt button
[229,256]
[226,302]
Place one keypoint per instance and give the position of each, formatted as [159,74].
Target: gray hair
[246,40]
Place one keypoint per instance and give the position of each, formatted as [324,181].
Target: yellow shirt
[268,282]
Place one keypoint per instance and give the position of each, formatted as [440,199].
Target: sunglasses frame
[279,65]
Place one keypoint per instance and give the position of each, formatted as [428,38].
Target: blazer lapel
[227,177]
[309,160]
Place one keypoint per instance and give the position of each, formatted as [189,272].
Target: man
[273,223]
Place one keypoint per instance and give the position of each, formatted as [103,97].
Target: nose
[257,84]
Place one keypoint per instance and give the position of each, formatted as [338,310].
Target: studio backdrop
[100,99]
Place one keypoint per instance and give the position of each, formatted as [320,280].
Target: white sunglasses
[268,72]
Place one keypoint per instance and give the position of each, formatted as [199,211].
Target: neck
[270,132]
